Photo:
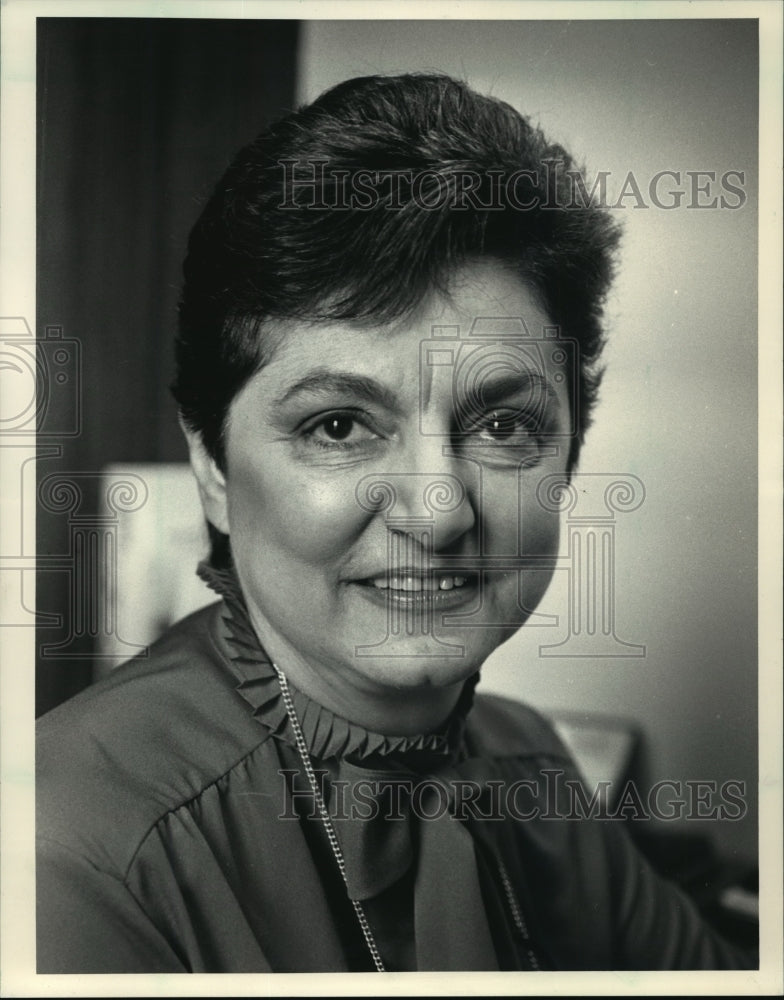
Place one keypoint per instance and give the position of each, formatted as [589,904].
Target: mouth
[416,583]
[412,588]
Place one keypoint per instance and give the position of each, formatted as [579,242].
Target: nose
[430,494]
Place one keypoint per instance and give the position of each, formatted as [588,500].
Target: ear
[210,479]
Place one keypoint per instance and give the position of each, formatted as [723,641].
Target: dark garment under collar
[172,837]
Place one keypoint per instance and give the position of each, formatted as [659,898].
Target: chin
[425,668]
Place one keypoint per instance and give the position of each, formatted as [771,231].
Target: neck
[384,709]
[390,711]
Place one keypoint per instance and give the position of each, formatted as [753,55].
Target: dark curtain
[137,118]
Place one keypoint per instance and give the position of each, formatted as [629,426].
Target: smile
[416,583]
[417,591]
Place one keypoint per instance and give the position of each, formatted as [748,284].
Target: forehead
[486,309]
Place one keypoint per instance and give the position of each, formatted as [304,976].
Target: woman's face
[381,490]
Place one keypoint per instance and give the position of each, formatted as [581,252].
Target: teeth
[414,584]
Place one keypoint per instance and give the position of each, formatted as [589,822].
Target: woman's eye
[338,428]
[339,431]
[506,428]
[501,426]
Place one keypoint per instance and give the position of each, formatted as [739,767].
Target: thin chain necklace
[334,843]
[332,836]
[517,916]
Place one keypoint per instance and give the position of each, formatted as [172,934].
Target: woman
[389,334]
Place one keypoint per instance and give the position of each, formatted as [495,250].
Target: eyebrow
[494,391]
[325,381]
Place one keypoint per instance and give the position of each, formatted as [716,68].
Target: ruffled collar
[327,735]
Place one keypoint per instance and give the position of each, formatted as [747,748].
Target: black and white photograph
[391,511]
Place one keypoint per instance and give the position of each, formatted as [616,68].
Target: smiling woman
[313,564]
[377,393]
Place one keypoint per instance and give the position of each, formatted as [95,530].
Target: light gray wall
[679,400]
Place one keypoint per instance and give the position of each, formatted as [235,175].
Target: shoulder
[140,743]
[503,727]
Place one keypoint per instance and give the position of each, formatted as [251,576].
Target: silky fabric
[381,839]
[378,844]
[176,833]
[450,928]
[450,921]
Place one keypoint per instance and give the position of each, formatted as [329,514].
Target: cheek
[540,530]
[515,521]
[289,514]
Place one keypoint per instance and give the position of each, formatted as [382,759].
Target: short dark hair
[270,243]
